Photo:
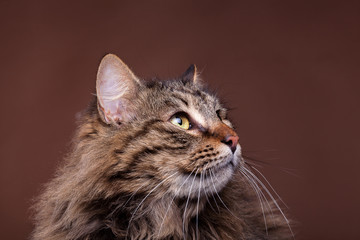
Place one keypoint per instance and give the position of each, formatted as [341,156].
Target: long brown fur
[121,179]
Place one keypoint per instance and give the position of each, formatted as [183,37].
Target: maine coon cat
[155,160]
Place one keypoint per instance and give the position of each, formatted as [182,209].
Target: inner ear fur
[116,87]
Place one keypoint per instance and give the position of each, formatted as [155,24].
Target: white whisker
[256,189]
[167,210]
[217,206]
[132,195]
[133,214]
[197,209]
[220,197]
[128,200]
[207,196]
[269,185]
[187,202]
[272,198]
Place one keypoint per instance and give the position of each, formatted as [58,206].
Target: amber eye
[180,120]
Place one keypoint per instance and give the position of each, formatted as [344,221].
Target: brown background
[289,69]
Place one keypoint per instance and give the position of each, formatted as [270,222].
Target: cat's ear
[190,74]
[116,87]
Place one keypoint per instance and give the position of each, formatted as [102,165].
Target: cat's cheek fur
[210,177]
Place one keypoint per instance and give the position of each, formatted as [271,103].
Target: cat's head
[172,134]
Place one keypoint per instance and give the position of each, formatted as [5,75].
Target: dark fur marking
[169,103]
[103,234]
[200,94]
[120,175]
[145,130]
[185,171]
[136,158]
[200,157]
[94,132]
[118,151]
[59,214]
[125,175]
[181,99]
[171,132]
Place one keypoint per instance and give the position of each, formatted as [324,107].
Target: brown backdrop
[289,70]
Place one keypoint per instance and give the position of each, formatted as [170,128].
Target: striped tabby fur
[132,174]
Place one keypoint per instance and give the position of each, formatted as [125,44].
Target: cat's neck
[169,216]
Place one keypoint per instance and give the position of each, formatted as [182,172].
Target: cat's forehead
[187,96]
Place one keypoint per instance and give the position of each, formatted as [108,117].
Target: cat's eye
[181,120]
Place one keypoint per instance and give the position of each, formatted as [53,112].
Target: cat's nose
[231,141]
[226,135]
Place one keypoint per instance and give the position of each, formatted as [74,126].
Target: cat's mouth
[209,179]
[226,161]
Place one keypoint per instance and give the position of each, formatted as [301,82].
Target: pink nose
[231,141]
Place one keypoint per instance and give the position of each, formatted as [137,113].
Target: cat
[155,160]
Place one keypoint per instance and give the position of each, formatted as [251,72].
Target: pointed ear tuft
[116,85]
[190,74]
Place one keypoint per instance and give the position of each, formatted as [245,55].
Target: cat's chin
[210,180]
